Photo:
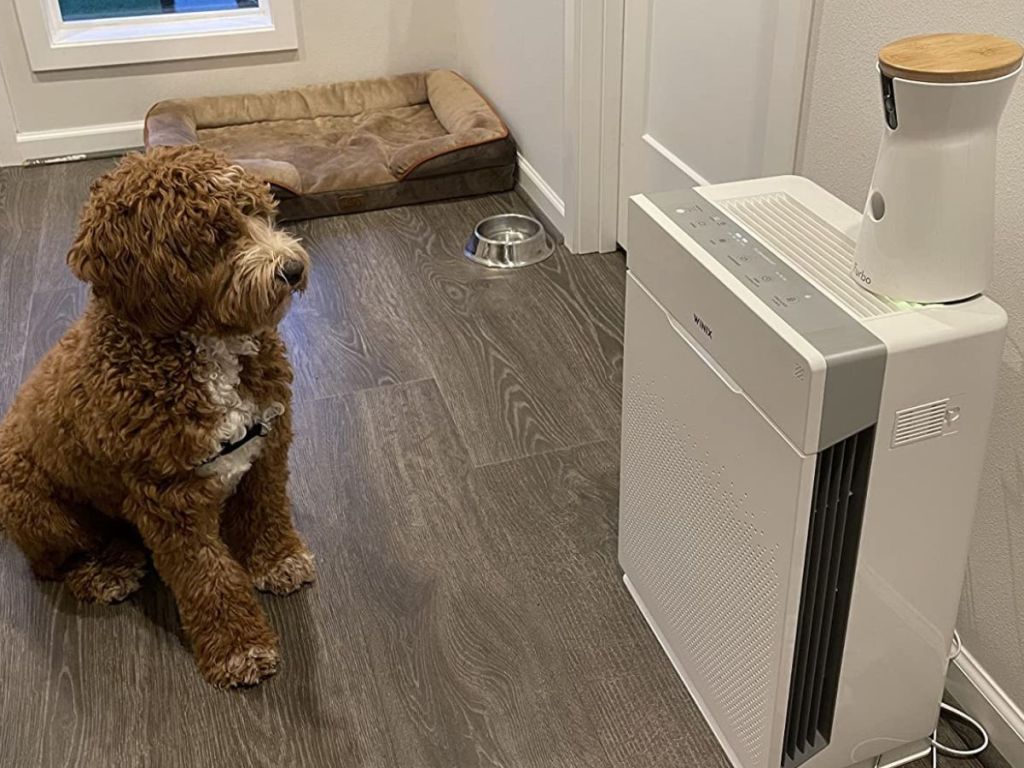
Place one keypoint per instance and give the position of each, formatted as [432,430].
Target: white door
[710,92]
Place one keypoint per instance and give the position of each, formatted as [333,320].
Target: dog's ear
[132,242]
[102,242]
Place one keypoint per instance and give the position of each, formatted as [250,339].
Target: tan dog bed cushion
[352,146]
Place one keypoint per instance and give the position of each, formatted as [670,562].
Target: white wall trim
[984,700]
[613,40]
[533,186]
[593,92]
[34,145]
[9,154]
[578,137]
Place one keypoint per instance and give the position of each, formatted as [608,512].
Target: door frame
[9,154]
[593,94]
[594,44]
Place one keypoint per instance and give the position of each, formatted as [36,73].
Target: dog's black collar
[256,429]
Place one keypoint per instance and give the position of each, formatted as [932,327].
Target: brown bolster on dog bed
[341,147]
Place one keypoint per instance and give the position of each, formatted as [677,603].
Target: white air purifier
[928,223]
[800,464]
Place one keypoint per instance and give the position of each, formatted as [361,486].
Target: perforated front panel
[710,498]
[713,547]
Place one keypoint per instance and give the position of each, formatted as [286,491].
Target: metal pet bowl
[509,240]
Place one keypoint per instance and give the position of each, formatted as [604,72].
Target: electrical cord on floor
[937,746]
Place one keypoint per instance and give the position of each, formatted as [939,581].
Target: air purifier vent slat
[920,422]
[803,640]
[812,247]
[840,485]
[813,688]
[820,705]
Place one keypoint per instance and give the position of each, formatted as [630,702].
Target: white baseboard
[36,145]
[533,187]
[983,699]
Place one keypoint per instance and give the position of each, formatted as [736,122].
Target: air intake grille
[840,485]
[811,246]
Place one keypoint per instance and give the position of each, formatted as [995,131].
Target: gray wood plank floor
[455,470]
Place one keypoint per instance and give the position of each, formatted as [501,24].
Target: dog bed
[355,146]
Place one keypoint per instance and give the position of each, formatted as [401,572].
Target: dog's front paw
[107,579]
[241,666]
[285,574]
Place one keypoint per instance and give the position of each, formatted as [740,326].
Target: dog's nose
[291,272]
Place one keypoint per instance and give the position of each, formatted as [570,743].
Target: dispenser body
[928,224]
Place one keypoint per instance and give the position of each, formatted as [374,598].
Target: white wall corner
[813,33]
[540,195]
[983,699]
[787,86]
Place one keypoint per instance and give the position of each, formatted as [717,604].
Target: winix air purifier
[800,464]
[927,231]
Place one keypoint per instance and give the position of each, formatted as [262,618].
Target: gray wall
[515,53]
[839,137]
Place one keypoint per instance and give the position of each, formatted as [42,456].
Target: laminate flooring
[456,472]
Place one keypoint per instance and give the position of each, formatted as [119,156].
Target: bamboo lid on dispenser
[927,234]
[950,58]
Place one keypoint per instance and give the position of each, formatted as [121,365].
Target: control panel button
[688,209]
[765,273]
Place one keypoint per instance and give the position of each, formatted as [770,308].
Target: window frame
[54,44]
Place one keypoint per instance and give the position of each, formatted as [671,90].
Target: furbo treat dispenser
[928,228]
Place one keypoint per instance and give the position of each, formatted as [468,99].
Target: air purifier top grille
[820,252]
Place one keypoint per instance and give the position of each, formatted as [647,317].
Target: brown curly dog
[161,421]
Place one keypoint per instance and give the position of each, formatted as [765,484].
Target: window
[72,34]
[79,10]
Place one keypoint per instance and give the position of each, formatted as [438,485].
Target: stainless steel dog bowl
[509,240]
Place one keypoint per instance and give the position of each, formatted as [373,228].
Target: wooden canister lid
[950,58]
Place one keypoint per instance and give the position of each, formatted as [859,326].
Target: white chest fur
[220,371]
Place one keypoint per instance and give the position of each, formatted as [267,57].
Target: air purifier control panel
[758,266]
[801,304]
[777,334]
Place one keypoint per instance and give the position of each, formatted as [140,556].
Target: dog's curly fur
[113,445]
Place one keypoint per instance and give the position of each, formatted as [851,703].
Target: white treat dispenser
[928,228]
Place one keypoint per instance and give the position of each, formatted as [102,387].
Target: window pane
[76,10]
